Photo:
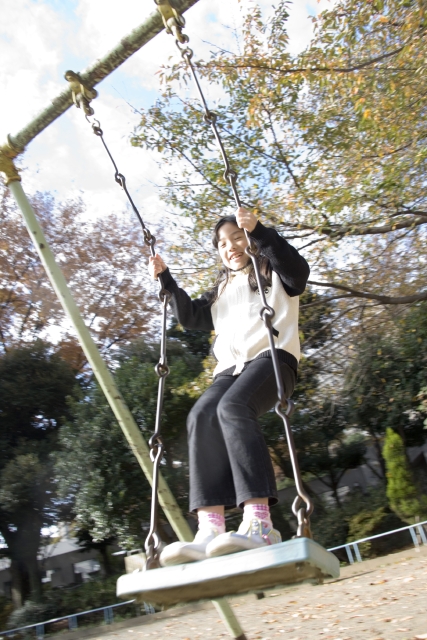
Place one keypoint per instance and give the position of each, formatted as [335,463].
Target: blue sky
[41,39]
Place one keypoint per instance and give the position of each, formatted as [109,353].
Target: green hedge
[69,600]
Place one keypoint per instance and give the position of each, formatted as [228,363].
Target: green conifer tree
[402,492]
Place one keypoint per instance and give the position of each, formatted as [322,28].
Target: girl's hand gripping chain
[156,266]
[245,219]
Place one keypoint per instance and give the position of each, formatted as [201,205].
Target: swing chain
[211,118]
[149,239]
[152,542]
[302,513]
[284,407]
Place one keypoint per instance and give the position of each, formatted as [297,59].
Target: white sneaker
[251,534]
[182,552]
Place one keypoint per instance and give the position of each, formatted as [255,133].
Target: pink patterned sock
[210,520]
[259,511]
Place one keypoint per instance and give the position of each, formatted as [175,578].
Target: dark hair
[224,272]
[219,224]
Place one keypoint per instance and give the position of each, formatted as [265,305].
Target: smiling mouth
[236,256]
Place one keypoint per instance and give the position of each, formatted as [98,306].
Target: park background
[323,118]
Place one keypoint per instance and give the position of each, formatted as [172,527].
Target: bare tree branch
[356,67]
[417,297]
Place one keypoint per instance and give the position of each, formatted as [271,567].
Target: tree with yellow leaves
[329,146]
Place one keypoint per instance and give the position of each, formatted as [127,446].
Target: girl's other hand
[156,266]
[246,219]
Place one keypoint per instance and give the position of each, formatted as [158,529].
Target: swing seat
[291,562]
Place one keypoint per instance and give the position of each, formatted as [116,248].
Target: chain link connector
[96,127]
[154,452]
[156,441]
[120,179]
[152,547]
[304,530]
[210,118]
[81,93]
[162,370]
[231,176]
[149,239]
[266,314]
[186,52]
[153,560]
[156,448]
[180,38]
[290,407]
[164,296]
[174,22]
[251,250]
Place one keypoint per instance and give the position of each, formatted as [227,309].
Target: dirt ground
[381,599]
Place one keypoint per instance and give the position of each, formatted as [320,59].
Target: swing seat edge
[280,565]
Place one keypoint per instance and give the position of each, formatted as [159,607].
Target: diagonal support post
[109,387]
[100,369]
[13,148]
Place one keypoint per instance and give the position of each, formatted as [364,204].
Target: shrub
[90,595]
[331,529]
[30,613]
[373,522]
[331,525]
[402,492]
[68,600]
[6,608]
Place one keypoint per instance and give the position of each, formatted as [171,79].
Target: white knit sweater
[240,333]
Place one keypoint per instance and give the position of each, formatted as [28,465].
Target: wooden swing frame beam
[92,76]
[14,147]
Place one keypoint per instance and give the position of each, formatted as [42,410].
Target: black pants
[229,459]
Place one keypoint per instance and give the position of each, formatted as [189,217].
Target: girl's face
[231,246]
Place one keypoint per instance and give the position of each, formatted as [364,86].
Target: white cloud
[102,24]
[67,158]
[300,25]
[30,56]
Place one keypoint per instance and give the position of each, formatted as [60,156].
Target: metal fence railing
[40,628]
[411,528]
[415,530]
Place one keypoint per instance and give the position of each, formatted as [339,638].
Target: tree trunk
[336,496]
[36,593]
[23,545]
[334,486]
[17,588]
[105,560]
[379,454]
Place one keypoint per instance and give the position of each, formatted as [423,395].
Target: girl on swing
[229,460]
